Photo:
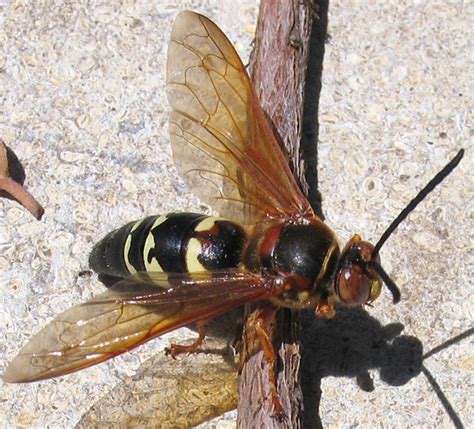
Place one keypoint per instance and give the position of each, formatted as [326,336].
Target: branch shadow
[312,91]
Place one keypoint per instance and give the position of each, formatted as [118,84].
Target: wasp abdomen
[176,242]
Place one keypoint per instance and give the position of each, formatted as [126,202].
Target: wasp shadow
[353,344]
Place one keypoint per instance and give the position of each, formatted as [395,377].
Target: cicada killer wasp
[184,268]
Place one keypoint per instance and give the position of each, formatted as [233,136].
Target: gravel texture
[83,106]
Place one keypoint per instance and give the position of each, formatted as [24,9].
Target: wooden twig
[287,83]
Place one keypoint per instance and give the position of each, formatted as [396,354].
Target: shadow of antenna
[436,387]
[449,343]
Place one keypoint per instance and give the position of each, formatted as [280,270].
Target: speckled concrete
[82,103]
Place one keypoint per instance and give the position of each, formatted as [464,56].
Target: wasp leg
[176,349]
[270,357]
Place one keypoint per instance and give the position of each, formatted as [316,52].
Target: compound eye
[353,287]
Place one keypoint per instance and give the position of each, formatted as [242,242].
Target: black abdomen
[176,242]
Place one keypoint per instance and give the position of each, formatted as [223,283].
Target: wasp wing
[134,311]
[223,144]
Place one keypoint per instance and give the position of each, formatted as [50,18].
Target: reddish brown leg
[270,356]
[175,349]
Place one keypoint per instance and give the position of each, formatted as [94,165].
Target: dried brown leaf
[14,188]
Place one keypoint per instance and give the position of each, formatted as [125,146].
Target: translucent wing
[223,144]
[132,312]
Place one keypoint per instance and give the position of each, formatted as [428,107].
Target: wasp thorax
[306,254]
[356,281]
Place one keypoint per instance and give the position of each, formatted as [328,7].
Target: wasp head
[359,276]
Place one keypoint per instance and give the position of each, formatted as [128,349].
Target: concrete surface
[82,103]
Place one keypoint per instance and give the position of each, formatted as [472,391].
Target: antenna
[435,181]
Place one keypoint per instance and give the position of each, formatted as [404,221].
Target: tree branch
[285,67]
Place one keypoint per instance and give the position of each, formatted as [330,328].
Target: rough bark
[285,67]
